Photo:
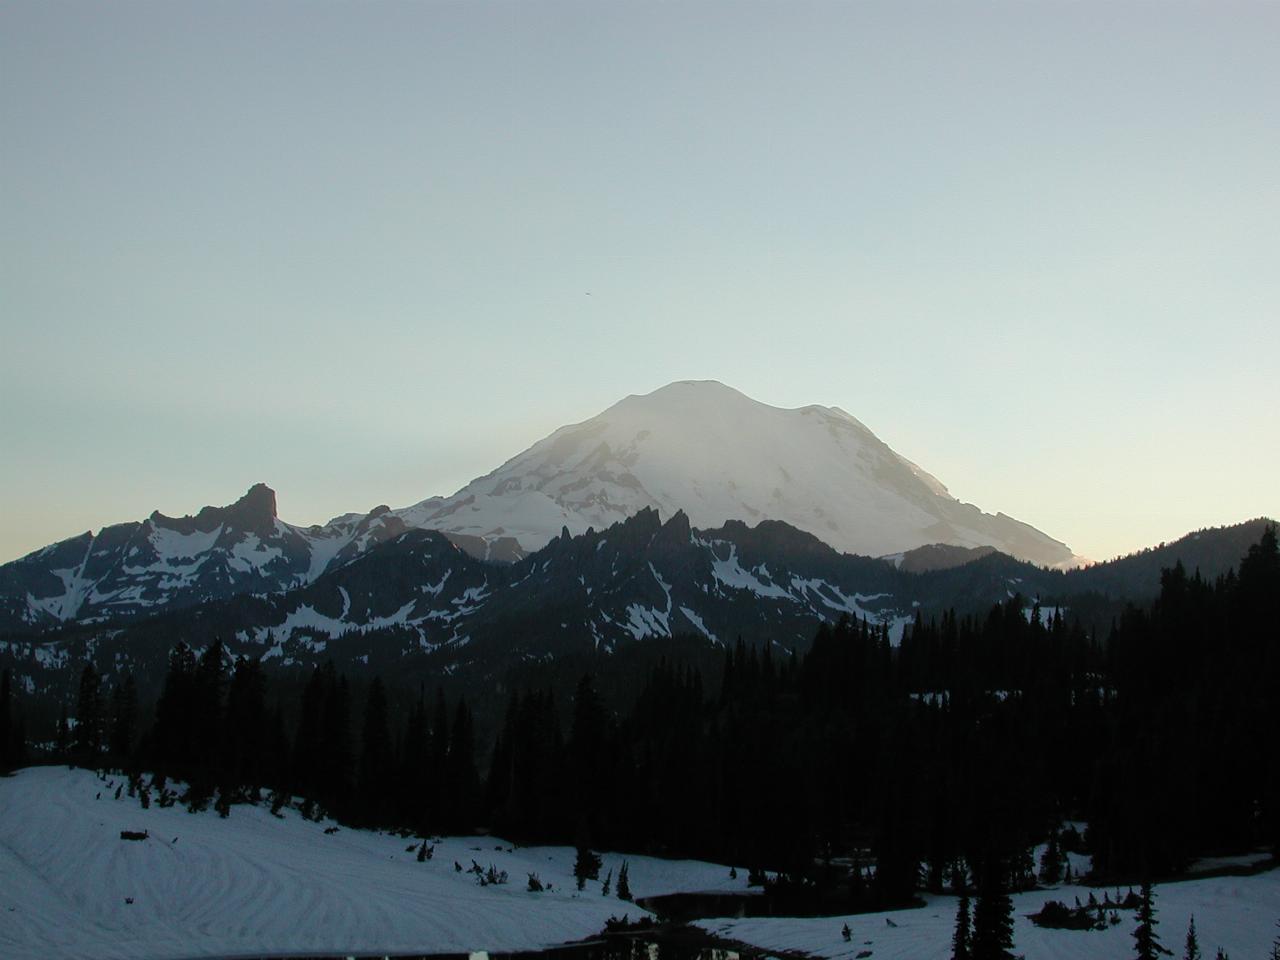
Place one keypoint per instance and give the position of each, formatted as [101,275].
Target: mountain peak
[705,449]
[260,500]
[254,512]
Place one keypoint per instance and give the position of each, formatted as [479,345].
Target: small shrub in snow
[535,884]
[625,924]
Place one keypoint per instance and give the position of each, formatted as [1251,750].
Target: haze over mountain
[718,455]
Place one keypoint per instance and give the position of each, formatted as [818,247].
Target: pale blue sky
[346,248]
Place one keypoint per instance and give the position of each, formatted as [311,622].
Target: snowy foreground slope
[1238,914]
[257,885]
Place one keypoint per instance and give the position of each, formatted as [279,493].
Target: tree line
[860,769]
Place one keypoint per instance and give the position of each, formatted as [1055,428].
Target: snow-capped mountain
[705,449]
[696,448]
[134,569]
[420,606]
[418,601]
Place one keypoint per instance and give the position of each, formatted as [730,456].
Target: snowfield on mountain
[254,884]
[694,447]
[716,454]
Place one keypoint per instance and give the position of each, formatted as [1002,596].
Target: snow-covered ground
[1238,914]
[257,885]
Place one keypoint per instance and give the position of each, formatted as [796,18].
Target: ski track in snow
[256,885]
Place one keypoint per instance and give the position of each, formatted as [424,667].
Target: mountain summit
[706,449]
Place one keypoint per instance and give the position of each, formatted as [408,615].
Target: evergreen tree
[587,749]
[1051,860]
[624,884]
[961,938]
[437,767]
[88,730]
[375,756]
[124,713]
[172,732]
[63,742]
[335,773]
[586,866]
[462,781]
[6,736]
[992,918]
[208,695]
[248,734]
[1192,951]
[1146,942]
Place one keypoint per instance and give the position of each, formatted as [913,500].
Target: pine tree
[1146,942]
[992,918]
[462,781]
[247,742]
[124,711]
[586,866]
[6,738]
[624,885]
[1192,951]
[586,752]
[172,731]
[88,730]
[437,763]
[375,756]
[606,886]
[961,939]
[1051,860]
[63,743]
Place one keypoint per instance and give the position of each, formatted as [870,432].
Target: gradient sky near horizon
[365,252]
